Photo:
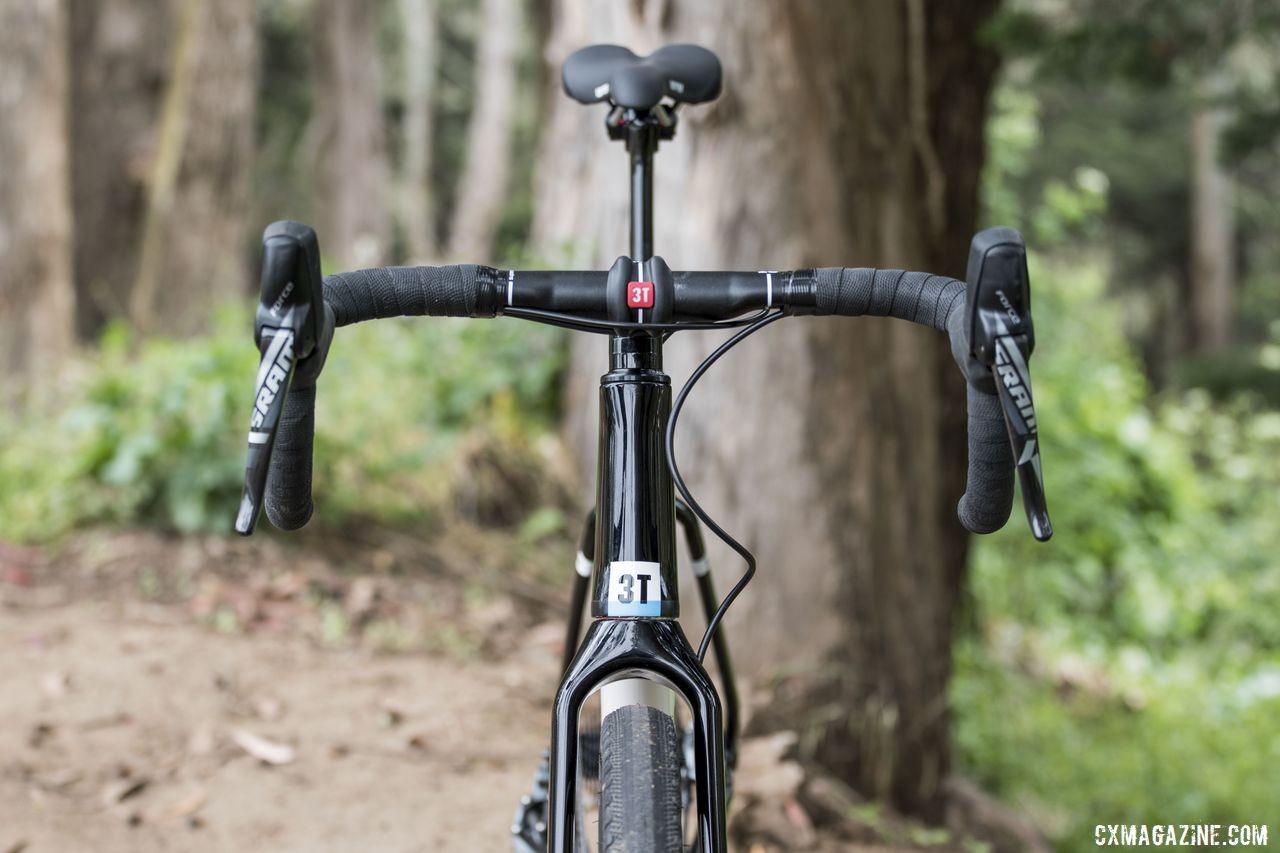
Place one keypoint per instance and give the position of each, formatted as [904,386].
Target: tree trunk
[118,69]
[418,18]
[194,240]
[37,302]
[482,190]
[1213,268]
[834,448]
[162,128]
[349,131]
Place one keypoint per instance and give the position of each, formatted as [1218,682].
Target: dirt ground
[341,694]
[120,735]
[133,703]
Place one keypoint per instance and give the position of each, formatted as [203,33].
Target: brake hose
[683,489]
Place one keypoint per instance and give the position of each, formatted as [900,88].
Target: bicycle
[635,652]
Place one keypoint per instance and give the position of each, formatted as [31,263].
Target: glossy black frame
[635,520]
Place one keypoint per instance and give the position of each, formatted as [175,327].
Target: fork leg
[623,648]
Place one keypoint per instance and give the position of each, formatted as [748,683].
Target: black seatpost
[642,141]
[641,130]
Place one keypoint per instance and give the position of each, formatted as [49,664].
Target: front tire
[640,763]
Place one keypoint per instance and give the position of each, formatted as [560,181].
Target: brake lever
[1002,338]
[292,329]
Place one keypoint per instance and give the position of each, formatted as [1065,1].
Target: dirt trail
[382,696]
[96,700]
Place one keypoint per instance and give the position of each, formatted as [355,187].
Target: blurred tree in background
[1173,103]
[161,131]
[1129,670]
[189,122]
[36,295]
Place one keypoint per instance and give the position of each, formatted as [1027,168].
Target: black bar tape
[464,290]
[919,297]
[288,495]
[938,302]
[988,495]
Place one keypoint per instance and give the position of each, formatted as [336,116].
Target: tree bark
[1213,267]
[834,448]
[118,68]
[162,132]
[195,234]
[418,18]
[37,302]
[349,132]
[483,188]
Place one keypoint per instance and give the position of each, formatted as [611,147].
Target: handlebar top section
[987,318]
[628,293]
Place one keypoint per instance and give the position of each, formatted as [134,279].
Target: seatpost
[641,130]
[642,141]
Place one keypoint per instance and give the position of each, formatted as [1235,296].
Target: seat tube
[635,556]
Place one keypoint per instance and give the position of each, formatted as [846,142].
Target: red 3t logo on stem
[640,294]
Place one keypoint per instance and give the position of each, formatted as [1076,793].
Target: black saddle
[686,73]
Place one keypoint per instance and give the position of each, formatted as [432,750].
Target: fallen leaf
[201,741]
[56,683]
[267,707]
[287,586]
[121,718]
[186,806]
[361,597]
[266,751]
[797,815]
[59,781]
[118,792]
[39,733]
[16,576]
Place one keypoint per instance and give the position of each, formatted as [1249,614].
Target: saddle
[685,73]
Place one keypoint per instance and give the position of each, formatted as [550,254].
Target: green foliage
[1072,165]
[1177,750]
[395,397]
[1224,375]
[1153,43]
[1127,669]
[158,437]
[1103,90]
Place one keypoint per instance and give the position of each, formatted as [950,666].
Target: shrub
[157,437]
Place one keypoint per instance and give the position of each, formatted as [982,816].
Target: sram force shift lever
[998,299]
[293,329]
